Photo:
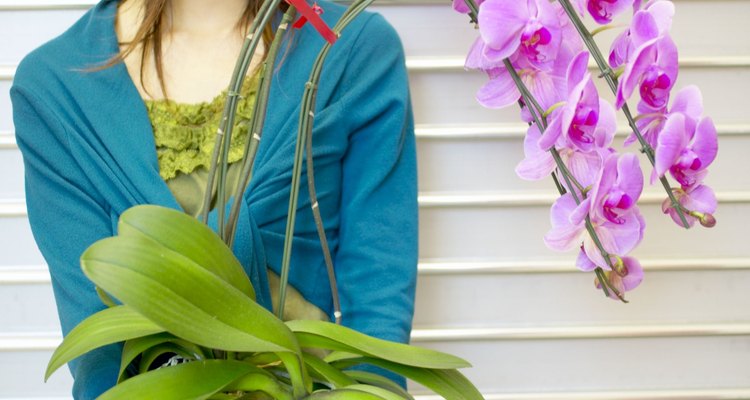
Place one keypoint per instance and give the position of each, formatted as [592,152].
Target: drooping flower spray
[536,54]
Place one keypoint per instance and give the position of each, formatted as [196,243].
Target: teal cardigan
[89,154]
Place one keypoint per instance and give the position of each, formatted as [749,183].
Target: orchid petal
[604,10]
[499,92]
[688,101]
[501,23]
[635,274]
[584,263]
[585,167]
[701,199]
[553,131]
[563,235]
[578,216]
[538,163]
[578,68]
[643,58]
[672,141]
[606,128]
[706,142]
[663,13]
[643,28]
[630,176]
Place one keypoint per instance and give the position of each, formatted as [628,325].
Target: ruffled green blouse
[184,135]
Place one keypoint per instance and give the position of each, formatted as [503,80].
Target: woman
[90,137]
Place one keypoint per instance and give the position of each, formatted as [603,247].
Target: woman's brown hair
[149,35]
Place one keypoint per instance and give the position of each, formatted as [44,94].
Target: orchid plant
[219,343]
[536,54]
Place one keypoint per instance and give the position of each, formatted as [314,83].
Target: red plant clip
[312,15]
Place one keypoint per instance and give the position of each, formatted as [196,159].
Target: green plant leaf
[449,383]
[354,342]
[186,235]
[152,354]
[343,394]
[134,347]
[301,382]
[326,372]
[182,297]
[380,381]
[261,381]
[112,325]
[194,380]
[378,391]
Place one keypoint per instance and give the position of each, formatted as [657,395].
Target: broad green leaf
[310,341]
[380,381]
[182,297]
[106,299]
[343,394]
[340,355]
[261,381]
[134,347]
[112,325]
[152,354]
[186,235]
[380,392]
[449,383]
[370,346]
[194,380]
[301,382]
[326,372]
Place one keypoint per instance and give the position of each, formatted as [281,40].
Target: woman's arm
[65,219]
[376,262]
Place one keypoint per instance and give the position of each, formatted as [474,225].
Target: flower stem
[224,133]
[611,80]
[303,146]
[570,180]
[258,122]
[473,11]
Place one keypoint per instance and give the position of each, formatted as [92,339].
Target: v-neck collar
[121,119]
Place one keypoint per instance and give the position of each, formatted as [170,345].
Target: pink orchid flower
[539,164]
[653,21]
[618,224]
[686,149]
[652,67]
[688,101]
[532,26]
[577,120]
[700,203]
[502,92]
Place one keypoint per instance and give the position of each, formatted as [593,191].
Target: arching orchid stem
[571,180]
[224,132]
[258,122]
[528,98]
[611,80]
[473,11]
[606,28]
[537,115]
[553,108]
[303,146]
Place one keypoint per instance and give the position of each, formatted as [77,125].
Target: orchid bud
[706,219]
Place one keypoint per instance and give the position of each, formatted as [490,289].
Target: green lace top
[184,135]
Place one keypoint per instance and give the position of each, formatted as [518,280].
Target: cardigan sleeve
[65,219]
[376,262]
